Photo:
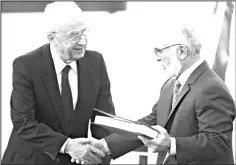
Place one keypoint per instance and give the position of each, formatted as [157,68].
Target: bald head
[181,30]
[62,16]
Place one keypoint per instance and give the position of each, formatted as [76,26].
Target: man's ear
[50,37]
[181,52]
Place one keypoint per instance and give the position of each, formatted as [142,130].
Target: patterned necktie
[177,86]
[66,93]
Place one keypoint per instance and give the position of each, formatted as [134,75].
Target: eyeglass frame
[157,50]
[71,39]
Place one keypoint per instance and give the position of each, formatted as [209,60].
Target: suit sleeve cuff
[173,146]
[62,150]
[107,150]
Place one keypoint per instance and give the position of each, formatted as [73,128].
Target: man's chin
[169,73]
[78,56]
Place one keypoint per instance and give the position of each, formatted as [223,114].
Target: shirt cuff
[173,146]
[107,150]
[62,150]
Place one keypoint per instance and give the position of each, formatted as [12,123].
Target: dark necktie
[177,86]
[66,93]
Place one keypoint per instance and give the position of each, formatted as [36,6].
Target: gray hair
[193,43]
[59,15]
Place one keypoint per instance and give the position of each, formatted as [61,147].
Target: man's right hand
[81,150]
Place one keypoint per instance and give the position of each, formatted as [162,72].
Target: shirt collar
[59,64]
[185,75]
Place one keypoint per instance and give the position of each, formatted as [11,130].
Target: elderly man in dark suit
[196,126]
[55,88]
[195,111]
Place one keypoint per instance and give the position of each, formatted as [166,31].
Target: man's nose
[82,41]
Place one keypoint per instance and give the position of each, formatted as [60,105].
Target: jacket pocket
[23,152]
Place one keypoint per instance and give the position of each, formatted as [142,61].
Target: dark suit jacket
[39,130]
[201,121]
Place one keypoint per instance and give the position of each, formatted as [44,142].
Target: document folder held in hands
[124,126]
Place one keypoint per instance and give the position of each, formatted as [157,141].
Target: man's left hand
[161,143]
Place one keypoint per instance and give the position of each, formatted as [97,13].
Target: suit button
[161,153]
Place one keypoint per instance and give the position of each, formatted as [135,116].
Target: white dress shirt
[182,80]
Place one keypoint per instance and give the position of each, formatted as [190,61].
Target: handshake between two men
[91,150]
[85,150]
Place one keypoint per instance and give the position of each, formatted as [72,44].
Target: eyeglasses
[157,50]
[75,38]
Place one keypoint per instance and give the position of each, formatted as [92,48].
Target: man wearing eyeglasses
[55,88]
[195,111]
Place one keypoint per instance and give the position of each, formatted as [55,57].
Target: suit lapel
[51,84]
[181,95]
[164,103]
[186,88]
